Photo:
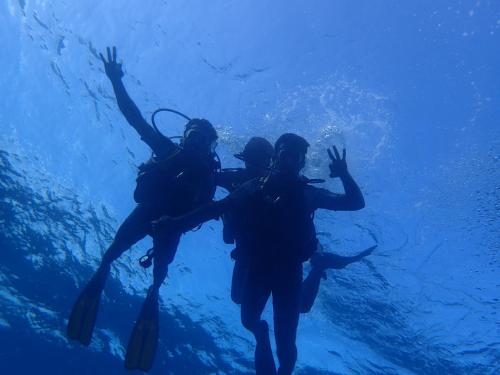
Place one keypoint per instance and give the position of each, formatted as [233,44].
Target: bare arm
[158,143]
[352,199]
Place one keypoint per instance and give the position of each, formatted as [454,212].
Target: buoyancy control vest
[275,224]
[176,184]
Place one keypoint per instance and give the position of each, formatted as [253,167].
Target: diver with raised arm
[257,155]
[274,218]
[176,180]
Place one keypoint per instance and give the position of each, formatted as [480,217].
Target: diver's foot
[264,360]
[323,261]
[150,308]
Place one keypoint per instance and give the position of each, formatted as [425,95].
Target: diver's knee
[250,322]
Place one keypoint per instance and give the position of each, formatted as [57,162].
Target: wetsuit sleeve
[322,198]
[212,210]
[161,145]
[200,215]
[228,179]
[351,200]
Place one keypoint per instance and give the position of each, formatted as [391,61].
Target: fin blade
[83,316]
[141,348]
[142,345]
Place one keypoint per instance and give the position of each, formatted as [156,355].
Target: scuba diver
[176,180]
[276,228]
[257,155]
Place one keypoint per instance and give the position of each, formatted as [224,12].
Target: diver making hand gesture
[274,216]
[111,67]
[177,179]
[338,166]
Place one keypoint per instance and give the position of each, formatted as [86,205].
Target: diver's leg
[310,288]
[135,227]
[143,342]
[255,296]
[165,248]
[83,315]
[286,308]
[321,262]
[238,281]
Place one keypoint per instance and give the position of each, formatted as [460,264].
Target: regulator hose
[153,116]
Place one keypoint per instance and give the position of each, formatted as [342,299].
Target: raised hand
[338,166]
[111,67]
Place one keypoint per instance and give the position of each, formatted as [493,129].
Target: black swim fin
[324,261]
[83,316]
[143,342]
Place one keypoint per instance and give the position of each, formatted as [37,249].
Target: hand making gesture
[338,166]
[111,67]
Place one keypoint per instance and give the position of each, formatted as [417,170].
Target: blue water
[410,88]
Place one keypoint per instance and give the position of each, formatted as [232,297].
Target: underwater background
[412,89]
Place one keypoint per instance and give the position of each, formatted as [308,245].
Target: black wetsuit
[186,182]
[274,227]
[273,223]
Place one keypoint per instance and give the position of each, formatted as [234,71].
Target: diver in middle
[175,181]
[275,224]
[256,155]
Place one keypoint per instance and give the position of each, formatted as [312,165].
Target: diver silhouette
[176,180]
[274,218]
[257,155]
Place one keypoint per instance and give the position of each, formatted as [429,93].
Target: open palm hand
[111,67]
[338,165]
